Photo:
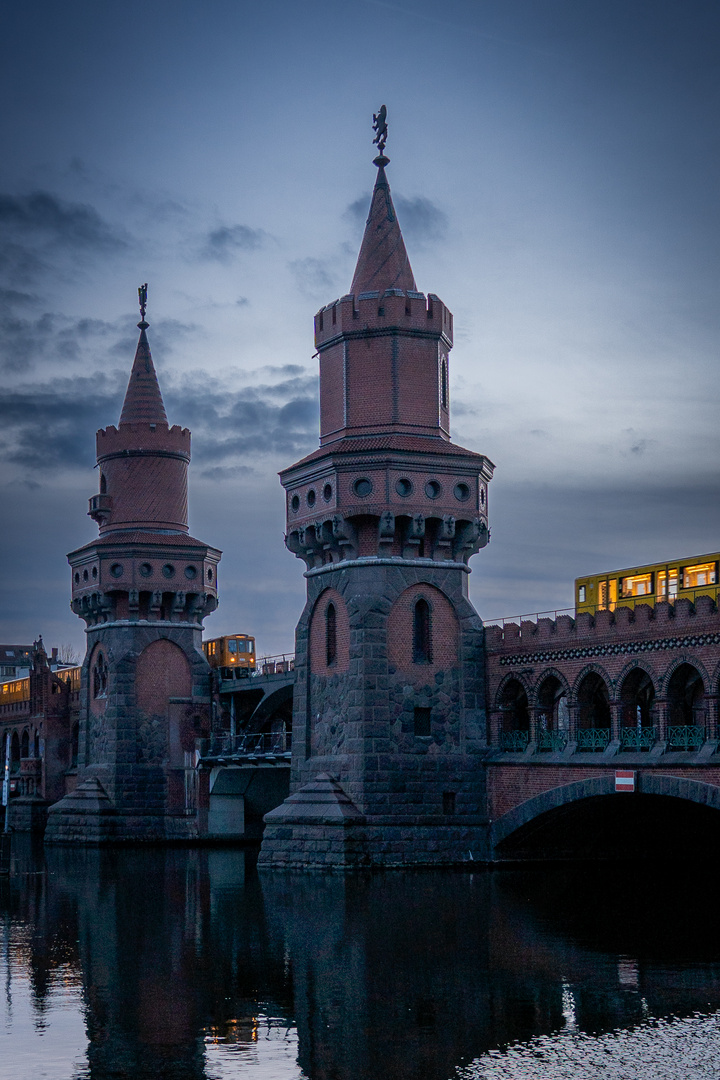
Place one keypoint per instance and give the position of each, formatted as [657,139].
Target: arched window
[74,741]
[25,744]
[443,383]
[422,640]
[100,674]
[103,484]
[330,634]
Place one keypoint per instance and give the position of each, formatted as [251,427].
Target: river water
[188,964]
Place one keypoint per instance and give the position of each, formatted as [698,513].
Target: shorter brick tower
[389,726]
[142,588]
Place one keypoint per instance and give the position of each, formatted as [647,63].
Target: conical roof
[383,261]
[143,400]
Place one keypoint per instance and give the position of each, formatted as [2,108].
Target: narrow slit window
[422,643]
[444,383]
[331,634]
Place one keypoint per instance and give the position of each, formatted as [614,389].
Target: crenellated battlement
[142,437]
[392,309]
[622,625]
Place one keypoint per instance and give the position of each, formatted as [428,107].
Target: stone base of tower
[320,828]
[87,816]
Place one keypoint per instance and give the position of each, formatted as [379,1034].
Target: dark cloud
[242,301]
[224,242]
[45,216]
[231,425]
[421,221]
[48,430]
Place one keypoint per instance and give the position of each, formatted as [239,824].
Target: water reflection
[183,963]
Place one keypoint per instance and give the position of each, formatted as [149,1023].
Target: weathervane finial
[142,299]
[381,130]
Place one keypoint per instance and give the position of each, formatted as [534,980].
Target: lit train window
[662,584]
[637,585]
[581,594]
[701,574]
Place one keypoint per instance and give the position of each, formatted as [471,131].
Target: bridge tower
[143,588]
[389,728]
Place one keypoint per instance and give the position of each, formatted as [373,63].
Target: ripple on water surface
[687,1049]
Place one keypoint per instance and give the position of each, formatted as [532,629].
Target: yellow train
[652,584]
[233,655]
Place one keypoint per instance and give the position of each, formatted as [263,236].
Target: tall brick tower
[142,588]
[389,715]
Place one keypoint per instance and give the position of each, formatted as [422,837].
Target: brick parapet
[381,312]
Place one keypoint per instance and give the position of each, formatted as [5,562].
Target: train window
[250,645]
[581,594]
[232,645]
[700,574]
[662,584]
[637,585]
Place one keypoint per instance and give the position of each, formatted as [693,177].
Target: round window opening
[327,492]
[191,572]
[209,575]
[77,579]
[116,569]
[94,572]
[295,504]
[85,575]
[168,570]
[145,569]
[461,492]
[432,489]
[311,497]
[482,496]
[404,487]
[362,487]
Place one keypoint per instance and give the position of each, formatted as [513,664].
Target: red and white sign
[624,780]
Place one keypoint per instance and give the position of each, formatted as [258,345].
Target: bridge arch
[680,661]
[680,788]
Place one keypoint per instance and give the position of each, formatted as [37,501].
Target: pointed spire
[143,400]
[383,261]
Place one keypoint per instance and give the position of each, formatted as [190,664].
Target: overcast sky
[554,164]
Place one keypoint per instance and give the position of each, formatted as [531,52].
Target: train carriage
[651,584]
[232,655]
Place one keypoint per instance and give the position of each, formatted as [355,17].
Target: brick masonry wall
[318,635]
[657,640]
[443,632]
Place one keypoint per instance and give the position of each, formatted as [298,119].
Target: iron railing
[593,739]
[635,738]
[265,744]
[685,737]
[514,741]
[553,741]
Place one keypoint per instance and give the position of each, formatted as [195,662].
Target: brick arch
[633,665]
[514,676]
[684,658]
[317,651]
[652,784]
[162,672]
[589,669]
[549,673]
[715,684]
[444,631]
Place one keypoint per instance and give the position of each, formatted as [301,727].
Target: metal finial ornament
[381,130]
[142,300]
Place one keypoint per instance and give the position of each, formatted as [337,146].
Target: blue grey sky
[554,164]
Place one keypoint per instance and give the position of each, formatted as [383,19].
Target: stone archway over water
[669,817]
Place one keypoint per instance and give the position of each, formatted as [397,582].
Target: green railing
[514,741]
[634,738]
[685,737]
[552,741]
[593,738]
